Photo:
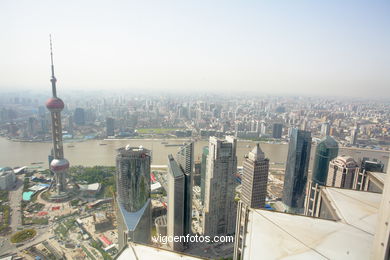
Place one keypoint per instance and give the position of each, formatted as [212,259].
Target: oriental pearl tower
[59,165]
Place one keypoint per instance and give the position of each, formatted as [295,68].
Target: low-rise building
[7,178]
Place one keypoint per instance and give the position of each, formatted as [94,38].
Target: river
[91,152]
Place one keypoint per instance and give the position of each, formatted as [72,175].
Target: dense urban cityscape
[78,212]
[186,152]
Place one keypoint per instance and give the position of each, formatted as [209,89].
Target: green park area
[4,212]
[23,235]
[97,174]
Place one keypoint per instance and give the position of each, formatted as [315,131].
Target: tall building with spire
[253,194]
[255,178]
[59,165]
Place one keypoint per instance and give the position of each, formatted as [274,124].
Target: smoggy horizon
[272,48]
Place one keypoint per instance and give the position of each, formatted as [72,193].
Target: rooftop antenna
[53,78]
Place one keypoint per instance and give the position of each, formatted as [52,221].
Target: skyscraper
[326,150]
[253,193]
[133,190]
[255,178]
[110,126]
[297,166]
[79,116]
[219,205]
[325,129]
[205,153]
[179,213]
[354,135]
[277,130]
[59,165]
[185,160]
[342,172]
[176,204]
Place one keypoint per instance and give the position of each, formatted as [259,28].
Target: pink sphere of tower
[58,165]
[54,104]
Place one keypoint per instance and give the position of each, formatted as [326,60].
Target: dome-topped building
[342,172]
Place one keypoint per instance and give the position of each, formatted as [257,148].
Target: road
[43,234]
[15,201]
[15,198]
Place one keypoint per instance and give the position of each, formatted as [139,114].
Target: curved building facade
[133,189]
[326,150]
[133,177]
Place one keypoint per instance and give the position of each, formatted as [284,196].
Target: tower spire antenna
[53,78]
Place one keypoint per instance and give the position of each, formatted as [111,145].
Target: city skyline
[274,118]
[272,48]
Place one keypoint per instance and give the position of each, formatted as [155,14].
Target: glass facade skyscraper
[297,166]
[133,190]
[326,150]
[179,213]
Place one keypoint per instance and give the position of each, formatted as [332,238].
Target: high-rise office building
[59,165]
[342,172]
[185,160]
[79,116]
[133,194]
[176,212]
[277,130]
[205,153]
[326,150]
[253,193]
[110,126]
[371,166]
[219,205]
[263,128]
[255,178]
[197,170]
[325,129]
[179,213]
[297,166]
[354,135]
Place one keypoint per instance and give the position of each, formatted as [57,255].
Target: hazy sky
[275,47]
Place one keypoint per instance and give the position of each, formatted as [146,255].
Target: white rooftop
[137,251]
[155,186]
[379,175]
[356,208]
[90,187]
[275,235]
